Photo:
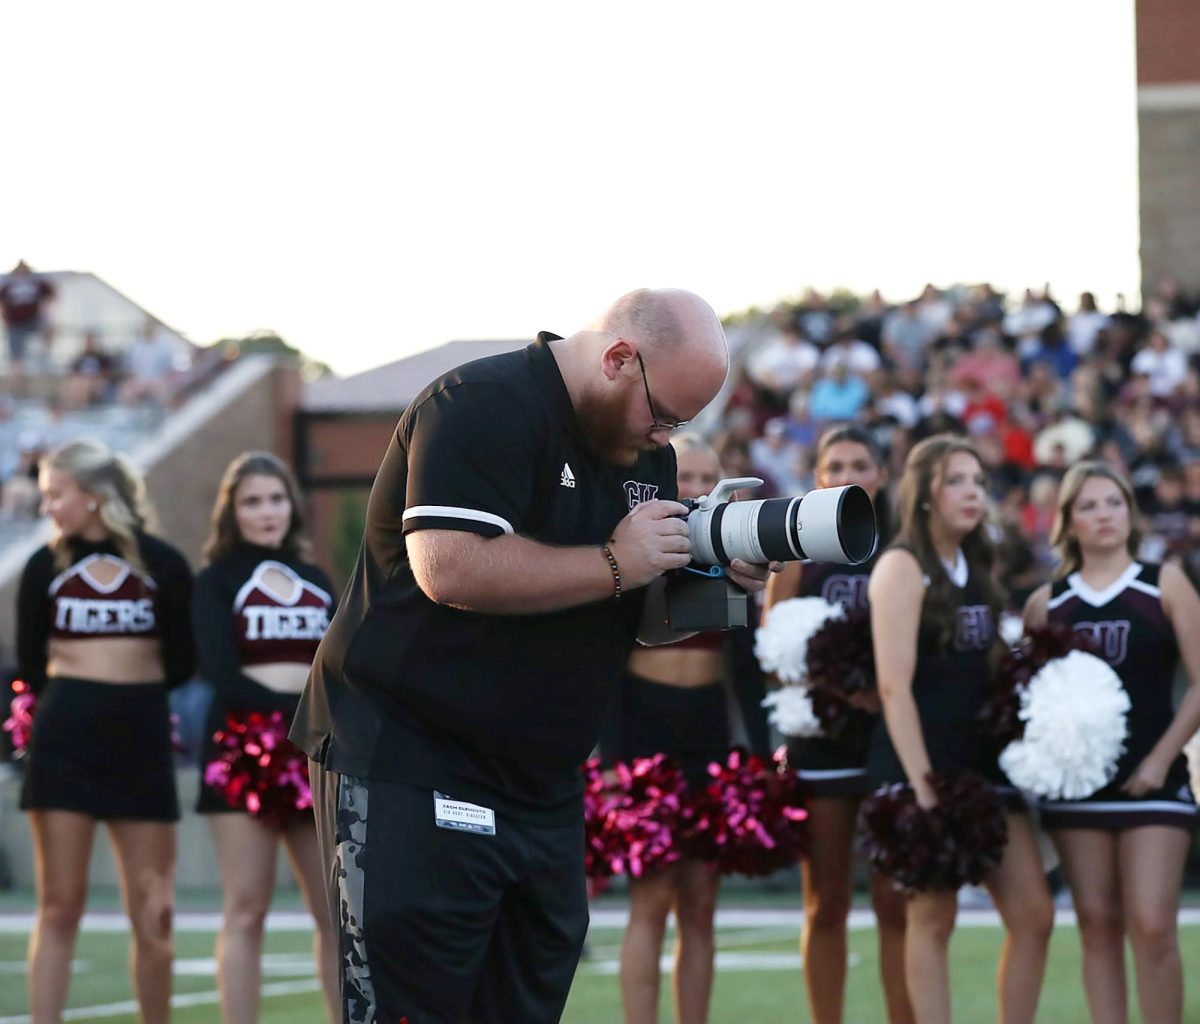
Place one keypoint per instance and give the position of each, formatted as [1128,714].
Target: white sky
[371,179]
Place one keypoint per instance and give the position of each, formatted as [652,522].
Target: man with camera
[522,510]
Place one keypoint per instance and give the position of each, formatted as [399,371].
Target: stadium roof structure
[391,387]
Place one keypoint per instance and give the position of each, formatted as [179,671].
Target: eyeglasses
[658,423]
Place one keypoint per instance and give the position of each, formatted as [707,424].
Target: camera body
[833,524]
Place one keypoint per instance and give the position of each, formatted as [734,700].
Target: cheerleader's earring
[92,506]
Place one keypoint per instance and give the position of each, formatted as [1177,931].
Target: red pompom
[19,723]
[260,770]
[958,841]
[1000,715]
[750,818]
[634,823]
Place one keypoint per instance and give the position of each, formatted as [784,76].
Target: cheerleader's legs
[650,900]
[246,851]
[1151,860]
[930,923]
[300,839]
[695,947]
[690,888]
[62,847]
[1018,887]
[827,885]
[146,861]
[890,908]
[1089,860]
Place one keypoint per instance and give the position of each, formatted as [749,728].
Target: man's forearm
[514,575]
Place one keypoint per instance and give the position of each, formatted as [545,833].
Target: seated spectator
[984,412]
[150,367]
[1026,324]
[814,318]
[906,337]
[19,495]
[779,459]
[1052,350]
[802,429]
[1084,325]
[1162,363]
[848,350]
[988,361]
[1166,516]
[1063,443]
[867,321]
[838,396]
[92,376]
[934,310]
[736,461]
[1017,560]
[893,402]
[782,365]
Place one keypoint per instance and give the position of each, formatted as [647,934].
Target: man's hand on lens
[751,577]
[651,540]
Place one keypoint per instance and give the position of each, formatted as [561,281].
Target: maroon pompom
[956,842]
[635,823]
[749,820]
[840,664]
[1000,715]
[259,770]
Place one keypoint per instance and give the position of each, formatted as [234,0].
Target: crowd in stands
[98,390]
[1036,386]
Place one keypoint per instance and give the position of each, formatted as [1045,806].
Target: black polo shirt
[495,709]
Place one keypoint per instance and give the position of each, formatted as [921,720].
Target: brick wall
[1168,41]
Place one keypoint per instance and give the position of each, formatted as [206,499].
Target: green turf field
[758,977]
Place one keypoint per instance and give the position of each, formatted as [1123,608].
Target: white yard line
[275,988]
[295,921]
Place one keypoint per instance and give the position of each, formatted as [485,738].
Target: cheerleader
[259,612]
[834,772]
[1123,848]
[103,632]
[673,701]
[934,603]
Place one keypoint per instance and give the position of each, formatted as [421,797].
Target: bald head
[669,321]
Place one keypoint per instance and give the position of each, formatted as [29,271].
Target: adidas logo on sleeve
[568,478]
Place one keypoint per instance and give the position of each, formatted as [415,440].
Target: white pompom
[1012,629]
[1192,750]
[1075,712]
[781,642]
[792,711]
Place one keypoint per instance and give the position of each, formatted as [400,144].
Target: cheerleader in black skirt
[103,632]
[834,772]
[259,612]
[934,603]
[1123,848]
[673,701]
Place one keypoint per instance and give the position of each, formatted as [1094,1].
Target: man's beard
[602,426]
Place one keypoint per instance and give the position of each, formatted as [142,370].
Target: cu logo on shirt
[637,493]
[1111,638]
[848,591]
[975,629]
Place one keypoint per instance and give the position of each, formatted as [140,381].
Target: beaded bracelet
[616,571]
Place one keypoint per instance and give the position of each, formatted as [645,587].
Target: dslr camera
[831,524]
